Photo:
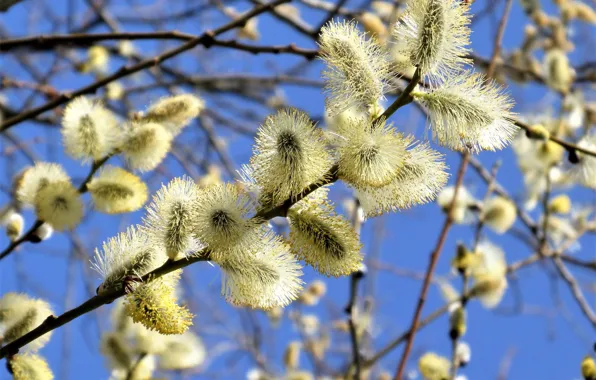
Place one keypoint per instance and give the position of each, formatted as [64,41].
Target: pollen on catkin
[88,130]
[19,314]
[370,155]
[469,112]
[422,176]
[289,154]
[129,253]
[324,240]
[171,216]
[434,35]
[60,205]
[145,145]
[221,218]
[115,191]
[184,352]
[434,367]
[358,69]
[30,367]
[499,214]
[264,277]
[153,304]
[175,112]
[35,177]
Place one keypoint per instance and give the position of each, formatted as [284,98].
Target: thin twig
[434,257]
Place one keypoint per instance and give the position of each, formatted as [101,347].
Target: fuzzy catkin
[290,153]
[145,145]
[153,304]
[171,216]
[324,240]
[60,205]
[89,130]
[116,191]
[358,70]
[434,35]
[469,112]
[370,155]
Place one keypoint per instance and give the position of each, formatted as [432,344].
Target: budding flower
[588,368]
[436,34]
[153,304]
[29,367]
[560,204]
[289,154]
[184,352]
[370,155]
[434,367]
[171,216]
[417,182]
[33,178]
[584,172]
[88,130]
[265,276]
[60,205]
[128,254]
[358,70]
[463,354]
[469,112]
[20,314]
[324,240]
[175,112]
[98,58]
[145,145]
[115,191]
[14,224]
[221,219]
[457,323]
[374,26]
[499,213]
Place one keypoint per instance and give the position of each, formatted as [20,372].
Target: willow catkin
[127,254]
[171,216]
[434,35]
[469,112]
[357,73]
[290,153]
[370,154]
[60,205]
[324,240]
[116,191]
[89,130]
[145,145]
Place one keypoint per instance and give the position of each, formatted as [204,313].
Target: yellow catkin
[153,304]
[561,204]
[30,367]
[588,368]
[116,191]
[60,205]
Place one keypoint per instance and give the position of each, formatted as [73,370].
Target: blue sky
[544,347]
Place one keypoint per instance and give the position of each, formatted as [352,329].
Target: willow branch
[205,39]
